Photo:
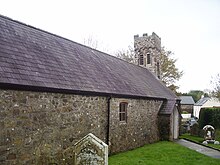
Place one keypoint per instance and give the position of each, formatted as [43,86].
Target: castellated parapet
[147,52]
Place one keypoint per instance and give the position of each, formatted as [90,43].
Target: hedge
[209,116]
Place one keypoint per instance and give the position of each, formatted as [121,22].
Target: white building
[205,102]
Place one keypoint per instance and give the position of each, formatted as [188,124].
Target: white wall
[213,102]
[186,116]
[196,110]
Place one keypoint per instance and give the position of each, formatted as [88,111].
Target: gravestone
[194,129]
[90,150]
[209,132]
[209,135]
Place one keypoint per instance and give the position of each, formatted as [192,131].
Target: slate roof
[36,59]
[202,101]
[167,107]
[187,100]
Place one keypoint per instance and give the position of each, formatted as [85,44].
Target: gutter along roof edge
[6,86]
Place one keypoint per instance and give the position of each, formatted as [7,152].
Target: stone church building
[54,91]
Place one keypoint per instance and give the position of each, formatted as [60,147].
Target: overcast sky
[189,28]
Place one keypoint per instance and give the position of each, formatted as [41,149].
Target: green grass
[193,138]
[162,153]
[200,139]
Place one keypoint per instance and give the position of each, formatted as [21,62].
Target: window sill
[122,122]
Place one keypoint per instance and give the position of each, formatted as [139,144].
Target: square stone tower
[147,52]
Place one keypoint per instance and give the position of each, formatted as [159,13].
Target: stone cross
[90,150]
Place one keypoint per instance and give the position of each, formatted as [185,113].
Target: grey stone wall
[187,108]
[165,127]
[41,128]
[141,126]
[148,44]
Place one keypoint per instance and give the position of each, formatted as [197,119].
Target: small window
[148,59]
[123,111]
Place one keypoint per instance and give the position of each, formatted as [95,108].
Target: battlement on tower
[151,41]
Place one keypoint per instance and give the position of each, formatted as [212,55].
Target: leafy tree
[216,86]
[196,94]
[169,72]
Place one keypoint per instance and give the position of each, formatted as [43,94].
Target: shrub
[209,116]
[194,129]
[185,112]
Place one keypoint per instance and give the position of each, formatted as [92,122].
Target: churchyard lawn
[161,153]
[200,139]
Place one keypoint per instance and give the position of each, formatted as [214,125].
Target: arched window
[148,59]
[141,59]
[123,111]
[158,70]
